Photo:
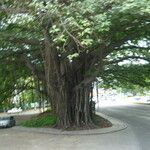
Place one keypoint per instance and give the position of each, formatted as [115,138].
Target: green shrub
[41,121]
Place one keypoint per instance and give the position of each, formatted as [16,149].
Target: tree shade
[66,44]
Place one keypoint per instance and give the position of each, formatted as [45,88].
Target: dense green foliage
[127,76]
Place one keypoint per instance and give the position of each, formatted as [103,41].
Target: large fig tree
[66,44]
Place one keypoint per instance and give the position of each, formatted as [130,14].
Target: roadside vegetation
[47,119]
[42,120]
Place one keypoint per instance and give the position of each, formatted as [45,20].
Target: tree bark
[71,104]
[70,97]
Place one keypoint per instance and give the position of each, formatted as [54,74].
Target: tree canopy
[66,44]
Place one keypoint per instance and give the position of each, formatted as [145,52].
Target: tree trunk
[73,107]
[72,104]
[69,100]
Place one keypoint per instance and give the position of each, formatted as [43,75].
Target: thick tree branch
[126,58]
[33,68]
[25,41]
[13,10]
[134,47]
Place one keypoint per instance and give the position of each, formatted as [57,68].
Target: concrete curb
[117,125]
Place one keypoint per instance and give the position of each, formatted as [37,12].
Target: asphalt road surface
[138,119]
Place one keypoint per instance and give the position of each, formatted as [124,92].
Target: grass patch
[42,120]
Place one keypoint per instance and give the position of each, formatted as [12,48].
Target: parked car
[14,110]
[7,122]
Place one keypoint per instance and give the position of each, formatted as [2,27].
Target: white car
[14,110]
[7,122]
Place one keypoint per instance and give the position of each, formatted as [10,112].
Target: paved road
[138,119]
